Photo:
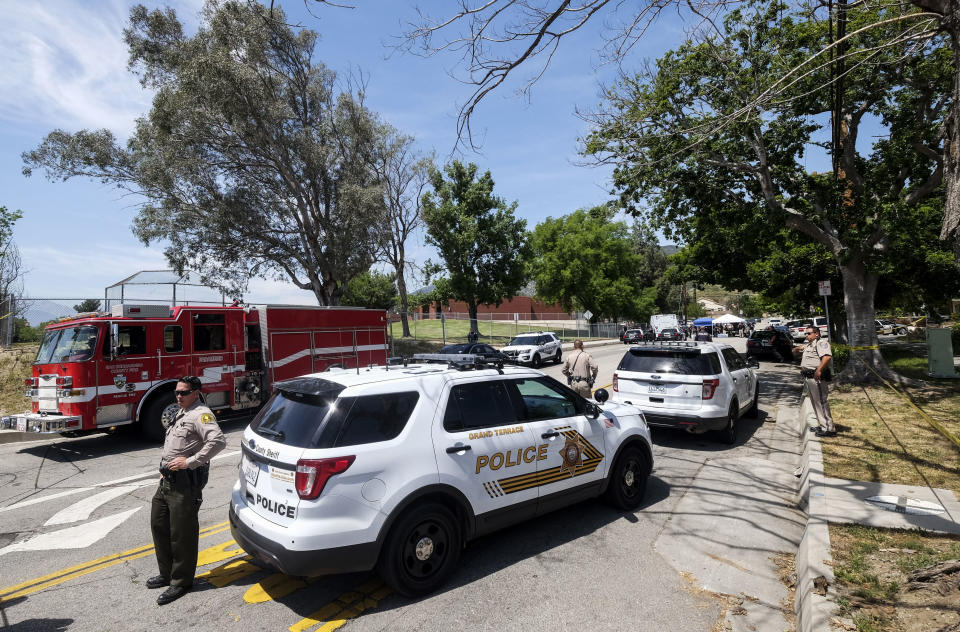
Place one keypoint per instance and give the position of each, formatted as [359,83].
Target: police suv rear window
[295,414]
[369,419]
[324,420]
[683,362]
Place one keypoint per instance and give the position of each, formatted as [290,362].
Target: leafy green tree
[588,261]
[87,305]
[250,162]
[12,303]
[750,167]
[404,174]
[502,38]
[483,245]
[371,289]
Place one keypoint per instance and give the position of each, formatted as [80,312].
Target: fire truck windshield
[75,344]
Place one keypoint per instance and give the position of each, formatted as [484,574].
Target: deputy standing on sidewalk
[193,438]
[581,370]
[813,365]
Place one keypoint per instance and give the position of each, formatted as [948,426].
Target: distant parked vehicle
[669,334]
[773,344]
[632,336]
[475,348]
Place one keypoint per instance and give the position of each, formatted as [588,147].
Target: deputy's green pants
[176,528]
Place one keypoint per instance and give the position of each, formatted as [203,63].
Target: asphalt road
[75,546]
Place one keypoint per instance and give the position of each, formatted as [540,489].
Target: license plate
[21,425]
[654,388]
[251,471]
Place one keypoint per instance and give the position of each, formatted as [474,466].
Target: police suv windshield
[75,344]
[518,341]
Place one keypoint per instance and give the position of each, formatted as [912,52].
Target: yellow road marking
[272,588]
[58,577]
[230,572]
[219,553]
[347,606]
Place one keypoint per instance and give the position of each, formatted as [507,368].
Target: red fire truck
[100,370]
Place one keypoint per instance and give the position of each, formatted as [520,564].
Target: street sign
[588,314]
[824,288]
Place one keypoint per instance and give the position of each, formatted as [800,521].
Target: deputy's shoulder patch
[207,418]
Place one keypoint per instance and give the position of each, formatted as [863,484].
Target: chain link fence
[495,329]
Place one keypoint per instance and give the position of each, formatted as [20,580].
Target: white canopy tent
[727,319]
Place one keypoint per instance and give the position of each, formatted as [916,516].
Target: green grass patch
[496,333]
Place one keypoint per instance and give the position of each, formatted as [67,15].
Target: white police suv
[694,386]
[534,348]
[398,467]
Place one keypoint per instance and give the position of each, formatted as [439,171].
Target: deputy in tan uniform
[813,364]
[193,438]
[581,370]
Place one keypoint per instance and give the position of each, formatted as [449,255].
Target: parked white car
[534,348]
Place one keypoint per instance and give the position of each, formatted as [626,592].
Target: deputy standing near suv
[581,370]
[813,365]
[193,438]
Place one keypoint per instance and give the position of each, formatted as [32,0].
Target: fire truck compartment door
[290,355]
[333,348]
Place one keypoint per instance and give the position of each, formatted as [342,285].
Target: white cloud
[66,65]
[86,269]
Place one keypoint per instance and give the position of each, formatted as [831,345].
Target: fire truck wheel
[151,421]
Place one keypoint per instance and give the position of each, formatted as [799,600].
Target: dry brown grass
[872,567]
[15,366]
[882,438]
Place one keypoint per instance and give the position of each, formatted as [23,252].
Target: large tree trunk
[859,288]
[950,230]
[402,290]
[472,309]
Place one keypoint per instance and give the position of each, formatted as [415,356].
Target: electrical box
[140,311]
[940,352]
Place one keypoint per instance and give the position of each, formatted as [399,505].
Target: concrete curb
[814,563]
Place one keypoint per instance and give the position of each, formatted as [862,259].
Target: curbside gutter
[814,563]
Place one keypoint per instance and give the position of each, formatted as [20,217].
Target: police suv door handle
[550,435]
[457,448]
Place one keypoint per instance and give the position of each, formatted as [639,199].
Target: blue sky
[66,68]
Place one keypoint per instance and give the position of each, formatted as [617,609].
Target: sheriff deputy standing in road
[581,370]
[193,438]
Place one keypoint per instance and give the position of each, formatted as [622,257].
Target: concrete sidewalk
[827,500]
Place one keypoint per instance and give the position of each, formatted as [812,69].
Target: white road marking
[80,490]
[81,510]
[77,537]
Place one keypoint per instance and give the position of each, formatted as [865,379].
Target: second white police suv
[694,386]
[397,467]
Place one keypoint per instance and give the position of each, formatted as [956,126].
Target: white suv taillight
[616,386]
[709,388]
[312,474]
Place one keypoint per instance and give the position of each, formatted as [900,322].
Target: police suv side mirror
[591,410]
[601,395]
[753,362]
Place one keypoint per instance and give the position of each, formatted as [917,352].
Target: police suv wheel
[729,433]
[421,550]
[628,479]
[559,356]
[536,361]
[754,410]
